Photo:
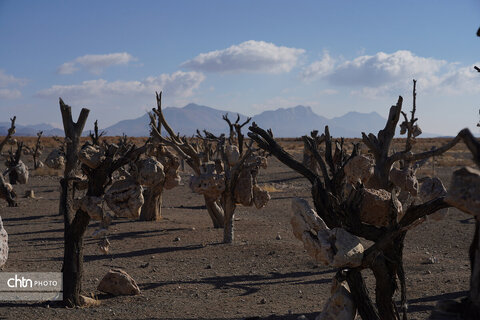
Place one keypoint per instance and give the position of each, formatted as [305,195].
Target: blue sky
[241,56]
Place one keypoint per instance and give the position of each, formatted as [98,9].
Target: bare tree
[10,133]
[75,222]
[308,158]
[17,171]
[98,164]
[56,158]
[35,151]
[96,135]
[356,196]
[224,173]
[167,163]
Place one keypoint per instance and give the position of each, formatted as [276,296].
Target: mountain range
[31,130]
[284,122]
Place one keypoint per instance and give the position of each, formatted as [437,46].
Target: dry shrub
[270,188]
[46,171]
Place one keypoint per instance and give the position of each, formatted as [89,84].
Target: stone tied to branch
[332,247]
[376,207]
[22,172]
[431,188]
[464,191]
[91,205]
[340,305]
[150,172]
[359,169]
[209,182]
[125,198]
[55,159]
[91,155]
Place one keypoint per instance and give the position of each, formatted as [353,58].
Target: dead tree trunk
[37,151]
[152,209]
[75,222]
[215,212]
[473,303]
[228,204]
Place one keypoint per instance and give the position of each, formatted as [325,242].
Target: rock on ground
[3,245]
[118,282]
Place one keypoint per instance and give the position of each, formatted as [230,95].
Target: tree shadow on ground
[35,232]
[415,305]
[29,218]
[299,177]
[138,253]
[202,207]
[249,284]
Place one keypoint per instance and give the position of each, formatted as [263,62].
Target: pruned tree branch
[266,142]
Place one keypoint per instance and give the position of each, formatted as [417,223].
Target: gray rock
[340,305]
[464,191]
[118,282]
[3,244]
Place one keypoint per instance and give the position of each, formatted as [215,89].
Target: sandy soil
[185,272]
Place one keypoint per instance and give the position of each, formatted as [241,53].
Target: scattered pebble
[301,317]
[432,260]
[263,301]
[177,239]
[279,237]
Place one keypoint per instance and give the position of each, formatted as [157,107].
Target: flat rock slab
[118,282]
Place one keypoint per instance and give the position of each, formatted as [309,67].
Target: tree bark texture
[152,208]
[75,222]
[472,310]
[229,207]
[73,259]
[215,212]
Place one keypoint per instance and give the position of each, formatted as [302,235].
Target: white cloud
[178,84]
[10,93]
[318,68]
[67,68]
[458,81]
[250,56]
[8,84]
[95,63]
[386,74]
[373,71]
[7,79]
